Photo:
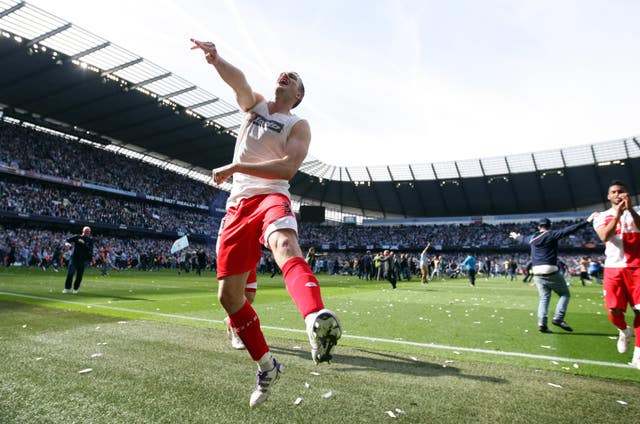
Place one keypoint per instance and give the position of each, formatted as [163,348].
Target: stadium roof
[57,75]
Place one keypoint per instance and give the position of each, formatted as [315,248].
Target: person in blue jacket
[469,264]
[544,258]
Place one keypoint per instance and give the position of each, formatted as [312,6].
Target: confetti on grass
[391,414]
[85,371]
[327,395]
[298,401]
[555,385]
[621,402]
[97,355]
[314,373]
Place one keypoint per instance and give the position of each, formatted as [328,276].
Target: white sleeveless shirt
[262,137]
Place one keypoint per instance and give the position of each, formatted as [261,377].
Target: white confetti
[413,358]
[488,341]
[97,355]
[307,385]
[314,373]
[297,401]
[101,344]
[391,414]
[449,361]
[555,385]
[39,358]
[576,366]
[555,362]
[613,338]
[327,395]
[24,326]
[526,331]
[455,352]
[297,348]
[98,327]
[122,322]
[621,402]
[400,411]
[545,346]
[85,371]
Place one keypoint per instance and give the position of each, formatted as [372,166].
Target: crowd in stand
[35,198]
[416,237]
[30,150]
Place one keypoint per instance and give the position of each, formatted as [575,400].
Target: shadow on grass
[578,333]
[392,364]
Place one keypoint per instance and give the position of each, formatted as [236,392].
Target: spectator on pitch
[546,275]
[387,261]
[469,264]
[619,228]
[82,254]
[583,267]
[594,270]
[424,271]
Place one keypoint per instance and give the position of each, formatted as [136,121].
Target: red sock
[636,329]
[302,285]
[247,325]
[618,320]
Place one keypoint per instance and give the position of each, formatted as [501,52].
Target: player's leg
[322,325]
[616,299]
[238,253]
[280,234]
[250,293]
[632,283]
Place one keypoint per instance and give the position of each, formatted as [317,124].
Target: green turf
[429,351]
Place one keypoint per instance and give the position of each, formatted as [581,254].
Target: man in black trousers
[82,253]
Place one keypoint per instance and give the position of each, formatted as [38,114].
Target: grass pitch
[445,352]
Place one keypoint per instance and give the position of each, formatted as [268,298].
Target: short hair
[618,183]
[300,90]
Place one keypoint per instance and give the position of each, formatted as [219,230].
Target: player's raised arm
[233,76]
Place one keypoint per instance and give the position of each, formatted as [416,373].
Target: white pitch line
[346,336]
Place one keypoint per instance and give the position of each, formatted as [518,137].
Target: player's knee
[284,241]
[616,312]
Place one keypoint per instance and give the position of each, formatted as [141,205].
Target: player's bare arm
[233,76]
[628,205]
[282,169]
[608,230]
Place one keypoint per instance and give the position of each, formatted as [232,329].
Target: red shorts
[621,288]
[246,227]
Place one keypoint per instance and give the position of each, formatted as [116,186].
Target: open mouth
[284,80]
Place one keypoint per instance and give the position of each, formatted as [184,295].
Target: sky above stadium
[405,82]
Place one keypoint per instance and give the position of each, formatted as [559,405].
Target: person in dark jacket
[387,263]
[82,254]
[544,259]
